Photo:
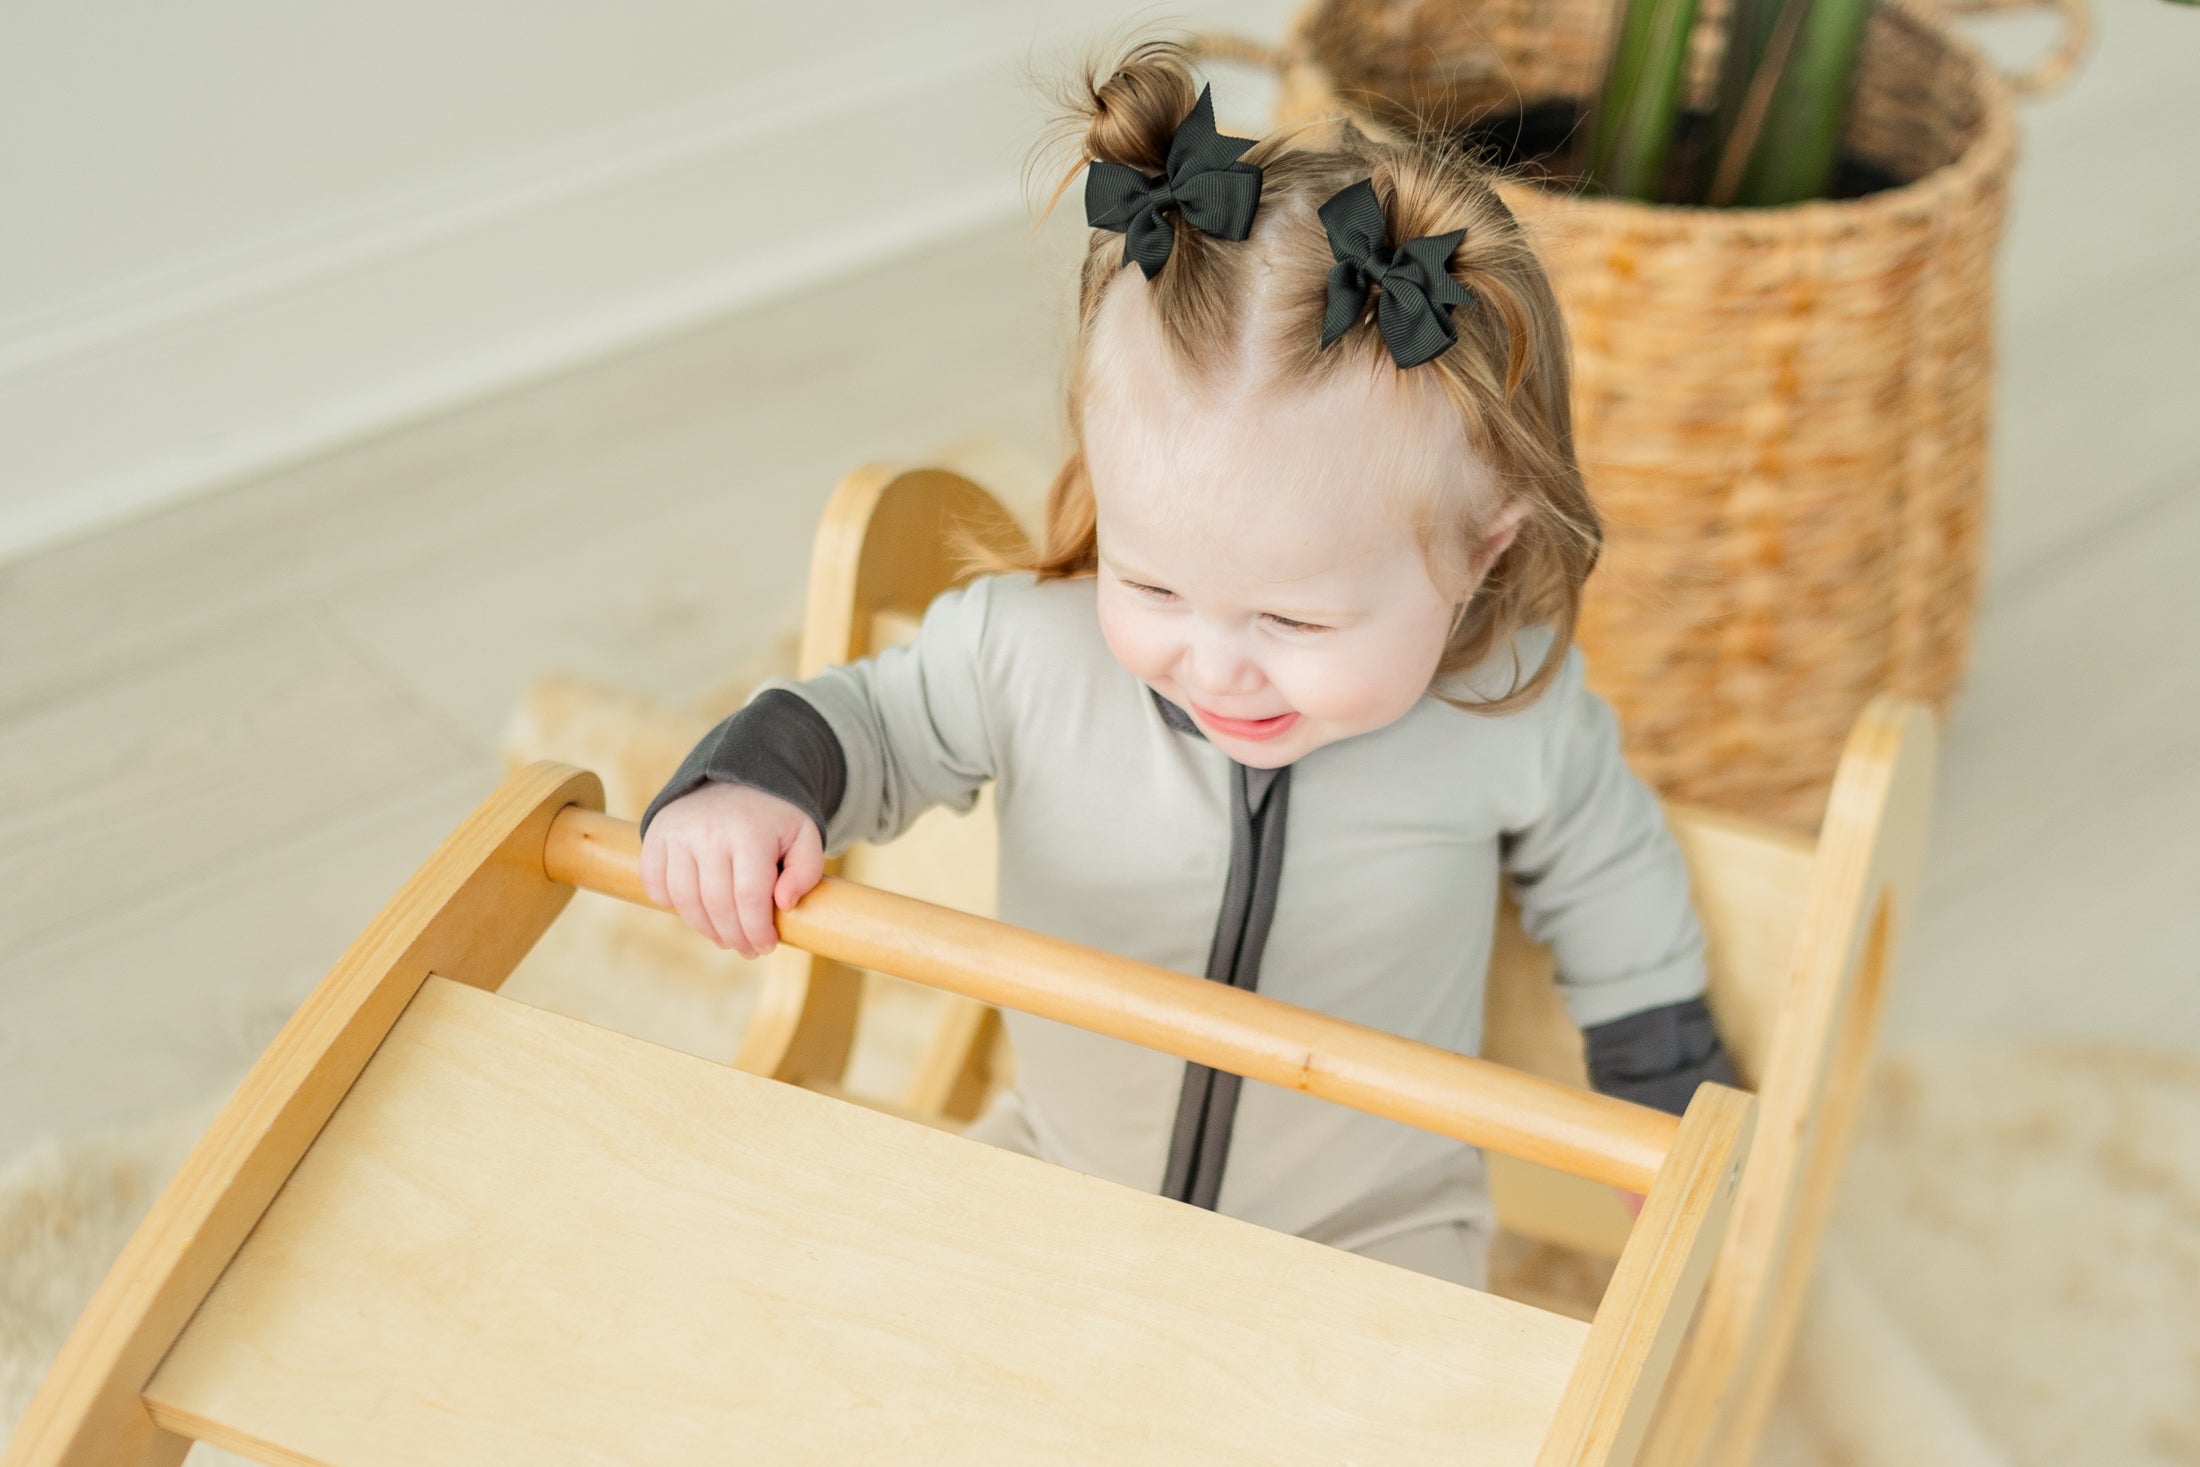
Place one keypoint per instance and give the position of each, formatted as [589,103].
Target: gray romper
[1121,827]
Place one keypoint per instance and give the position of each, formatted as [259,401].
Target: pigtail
[1069,544]
[1508,377]
[1121,111]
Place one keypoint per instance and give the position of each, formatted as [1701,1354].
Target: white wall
[235,232]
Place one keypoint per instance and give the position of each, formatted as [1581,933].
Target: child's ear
[1503,527]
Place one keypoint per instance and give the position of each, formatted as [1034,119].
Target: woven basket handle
[1244,50]
[1306,90]
[2051,73]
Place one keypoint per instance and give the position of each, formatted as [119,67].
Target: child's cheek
[1138,638]
[1350,689]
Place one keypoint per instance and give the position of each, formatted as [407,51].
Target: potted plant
[1772,224]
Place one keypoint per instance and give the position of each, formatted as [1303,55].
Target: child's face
[1258,564]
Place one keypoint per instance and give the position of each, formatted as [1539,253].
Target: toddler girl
[1286,690]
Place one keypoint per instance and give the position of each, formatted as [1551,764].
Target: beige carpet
[66,1209]
[2031,1219]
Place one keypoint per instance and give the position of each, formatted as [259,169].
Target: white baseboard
[360,324]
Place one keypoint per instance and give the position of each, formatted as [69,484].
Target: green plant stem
[1739,126]
[1800,137]
[1749,25]
[1638,107]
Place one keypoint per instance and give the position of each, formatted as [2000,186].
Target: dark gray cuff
[1659,1056]
[778,744]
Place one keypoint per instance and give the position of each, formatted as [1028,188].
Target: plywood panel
[1750,885]
[525,1239]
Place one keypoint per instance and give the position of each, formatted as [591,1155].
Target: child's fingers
[804,866]
[752,898]
[653,871]
[680,891]
[714,881]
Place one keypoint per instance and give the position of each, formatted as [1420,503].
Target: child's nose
[1220,667]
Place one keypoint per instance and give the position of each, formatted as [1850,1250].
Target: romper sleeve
[1601,883]
[868,746]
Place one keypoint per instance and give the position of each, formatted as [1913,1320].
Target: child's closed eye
[1163,593]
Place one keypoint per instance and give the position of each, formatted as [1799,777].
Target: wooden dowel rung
[1456,1095]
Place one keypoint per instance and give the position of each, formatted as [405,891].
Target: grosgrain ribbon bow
[1414,310]
[1204,183]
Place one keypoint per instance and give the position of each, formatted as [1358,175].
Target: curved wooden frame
[469,914]
[1871,850]
[891,539]
[1804,936]
[494,886]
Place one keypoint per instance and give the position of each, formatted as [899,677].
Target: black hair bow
[1204,183]
[1414,309]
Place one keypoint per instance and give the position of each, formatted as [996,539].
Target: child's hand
[724,855]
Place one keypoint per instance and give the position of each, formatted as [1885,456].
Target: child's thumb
[802,868]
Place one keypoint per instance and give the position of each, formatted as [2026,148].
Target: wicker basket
[1782,412]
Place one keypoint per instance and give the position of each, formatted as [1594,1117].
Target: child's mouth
[1257,729]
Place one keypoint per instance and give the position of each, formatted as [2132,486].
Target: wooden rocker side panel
[470,913]
[1620,1378]
[1870,850]
[889,541]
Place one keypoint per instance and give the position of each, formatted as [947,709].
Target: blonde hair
[1506,375]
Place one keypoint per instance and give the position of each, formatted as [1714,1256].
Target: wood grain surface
[525,1239]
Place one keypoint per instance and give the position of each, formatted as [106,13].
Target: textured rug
[2030,1218]
[66,1209]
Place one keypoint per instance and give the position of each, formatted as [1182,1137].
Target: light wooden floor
[228,731]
